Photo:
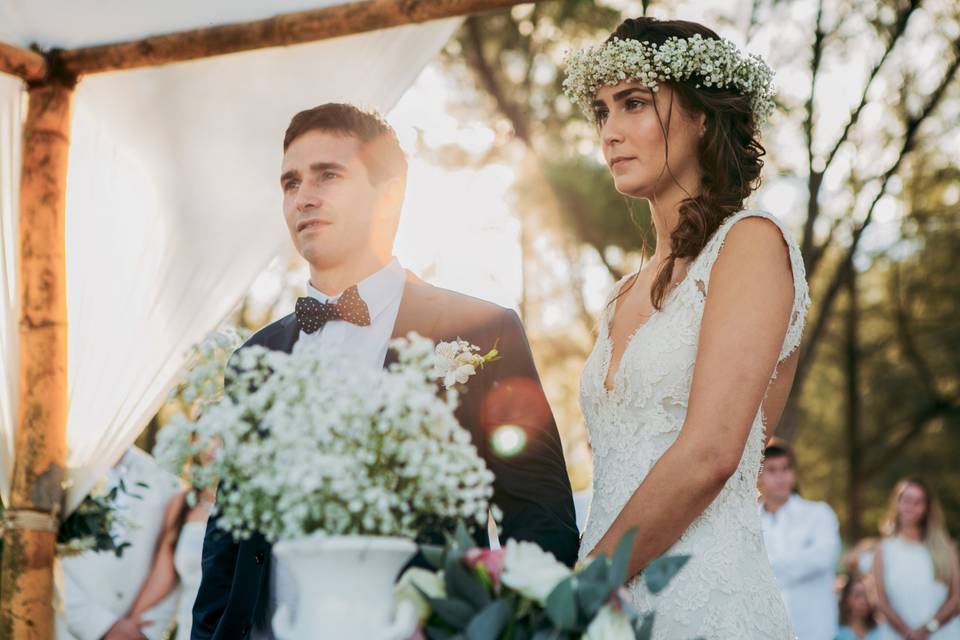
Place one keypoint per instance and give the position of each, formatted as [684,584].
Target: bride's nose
[610,133]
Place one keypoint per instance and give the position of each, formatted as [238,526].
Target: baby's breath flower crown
[711,62]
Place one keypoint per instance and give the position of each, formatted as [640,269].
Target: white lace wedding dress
[727,589]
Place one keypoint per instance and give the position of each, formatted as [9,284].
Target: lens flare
[508,440]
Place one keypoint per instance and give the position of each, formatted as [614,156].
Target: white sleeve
[85,618]
[818,555]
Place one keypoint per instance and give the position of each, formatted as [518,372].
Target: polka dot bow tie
[350,307]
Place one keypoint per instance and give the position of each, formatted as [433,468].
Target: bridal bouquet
[309,442]
[521,592]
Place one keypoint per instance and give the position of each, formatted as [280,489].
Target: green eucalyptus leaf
[453,611]
[661,571]
[433,554]
[462,584]
[488,624]
[643,629]
[592,595]
[621,558]
[562,605]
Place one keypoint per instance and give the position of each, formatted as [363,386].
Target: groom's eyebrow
[316,167]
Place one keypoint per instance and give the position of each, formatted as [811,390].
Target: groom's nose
[308,197]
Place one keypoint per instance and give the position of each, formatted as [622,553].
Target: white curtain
[173,208]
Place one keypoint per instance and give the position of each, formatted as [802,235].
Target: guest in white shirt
[99,588]
[803,543]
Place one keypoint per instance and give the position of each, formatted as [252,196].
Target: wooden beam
[279,31]
[26,580]
[23,63]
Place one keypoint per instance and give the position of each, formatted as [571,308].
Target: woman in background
[915,569]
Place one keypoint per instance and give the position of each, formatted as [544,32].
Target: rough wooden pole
[23,63]
[26,583]
[279,31]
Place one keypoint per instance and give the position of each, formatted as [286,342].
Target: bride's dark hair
[729,151]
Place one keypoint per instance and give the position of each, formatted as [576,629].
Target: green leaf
[562,605]
[621,559]
[661,571]
[454,612]
[433,554]
[462,535]
[436,633]
[592,595]
[643,630]
[462,584]
[488,624]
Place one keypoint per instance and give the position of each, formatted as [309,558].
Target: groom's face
[333,210]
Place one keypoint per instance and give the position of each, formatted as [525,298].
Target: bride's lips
[313,223]
[614,161]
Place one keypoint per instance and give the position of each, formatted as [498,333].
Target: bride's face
[645,132]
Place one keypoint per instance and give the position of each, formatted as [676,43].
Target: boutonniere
[456,361]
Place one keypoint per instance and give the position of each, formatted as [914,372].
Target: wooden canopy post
[29,539]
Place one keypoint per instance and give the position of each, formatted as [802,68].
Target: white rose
[429,582]
[531,571]
[610,624]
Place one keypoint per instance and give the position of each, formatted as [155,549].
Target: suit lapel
[288,334]
[420,311]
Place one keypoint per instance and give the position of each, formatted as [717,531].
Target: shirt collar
[378,289]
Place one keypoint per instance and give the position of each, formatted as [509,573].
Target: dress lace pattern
[727,589]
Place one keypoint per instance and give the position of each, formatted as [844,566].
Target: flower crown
[712,62]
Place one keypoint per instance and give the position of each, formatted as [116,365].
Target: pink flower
[489,560]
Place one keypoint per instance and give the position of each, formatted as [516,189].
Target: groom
[343,178]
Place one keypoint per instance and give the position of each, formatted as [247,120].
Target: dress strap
[703,266]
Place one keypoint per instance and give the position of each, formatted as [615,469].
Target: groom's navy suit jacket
[531,487]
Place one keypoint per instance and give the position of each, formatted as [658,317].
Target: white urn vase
[344,588]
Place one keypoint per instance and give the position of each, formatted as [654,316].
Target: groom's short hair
[381,155]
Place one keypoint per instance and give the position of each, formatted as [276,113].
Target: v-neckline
[611,375]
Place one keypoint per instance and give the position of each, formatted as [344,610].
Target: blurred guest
[859,559]
[916,570]
[177,561]
[99,588]
[857,620]
[803,543]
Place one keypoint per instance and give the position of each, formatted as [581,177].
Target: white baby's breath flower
[317,444]
[714,62]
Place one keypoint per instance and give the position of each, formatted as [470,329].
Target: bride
[697,350]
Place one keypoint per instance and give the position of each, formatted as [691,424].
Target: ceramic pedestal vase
[344,588]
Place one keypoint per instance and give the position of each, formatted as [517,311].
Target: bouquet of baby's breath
[312,443]
[181,447]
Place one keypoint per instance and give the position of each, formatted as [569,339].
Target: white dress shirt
[803,544]
[382,292]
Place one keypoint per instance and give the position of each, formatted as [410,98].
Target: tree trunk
[854,417]
[26,611]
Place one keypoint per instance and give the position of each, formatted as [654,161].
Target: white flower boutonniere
[456,361]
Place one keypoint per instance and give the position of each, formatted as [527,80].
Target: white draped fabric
[173,204]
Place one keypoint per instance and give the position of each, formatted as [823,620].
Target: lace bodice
[727,589]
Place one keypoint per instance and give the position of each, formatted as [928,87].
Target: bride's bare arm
[163,575]
[745,319]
